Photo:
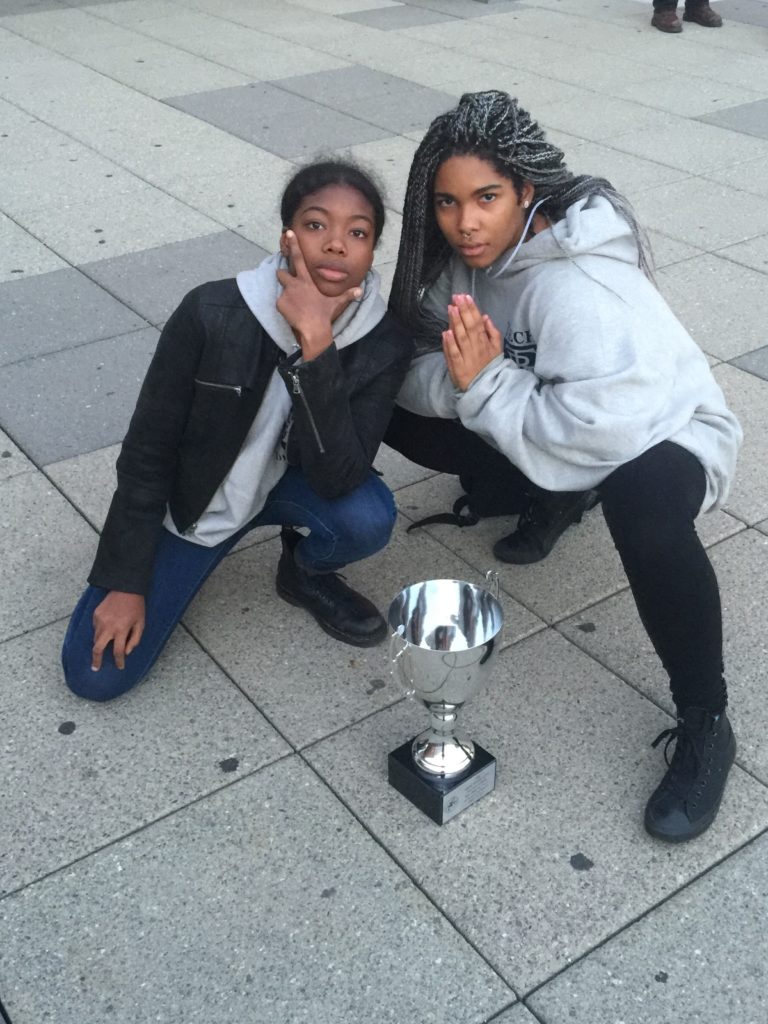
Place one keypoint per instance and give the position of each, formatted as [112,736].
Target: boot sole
[694,21]
[372,641]
[671,30]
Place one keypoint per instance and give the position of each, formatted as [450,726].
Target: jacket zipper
[224,387]
[297,391]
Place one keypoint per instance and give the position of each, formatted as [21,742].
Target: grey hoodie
[596,367]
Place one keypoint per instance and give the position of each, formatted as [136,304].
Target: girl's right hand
[119,619]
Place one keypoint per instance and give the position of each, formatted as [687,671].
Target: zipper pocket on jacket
[223,387]
[297,391]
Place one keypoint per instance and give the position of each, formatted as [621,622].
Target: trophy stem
[440,750]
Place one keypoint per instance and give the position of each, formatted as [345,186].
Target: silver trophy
[444,634]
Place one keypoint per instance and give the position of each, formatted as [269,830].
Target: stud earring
[526,204]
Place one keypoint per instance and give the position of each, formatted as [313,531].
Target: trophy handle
[396,666]
[492,578]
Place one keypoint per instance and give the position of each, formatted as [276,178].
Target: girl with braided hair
[548,361]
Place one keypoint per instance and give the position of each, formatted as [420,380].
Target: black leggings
[650,505]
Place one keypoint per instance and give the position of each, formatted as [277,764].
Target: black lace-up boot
[688,797]
[546,518]
[338,609]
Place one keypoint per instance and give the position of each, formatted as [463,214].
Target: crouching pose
[265,403]
[560,371]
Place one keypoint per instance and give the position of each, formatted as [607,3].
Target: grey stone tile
[278,121]
[720,303]
[667,251]
[22,254]
[259,903]
[75,401]
[308,684]
[748,177]
[140,219]
[611,633]
[687,95]
[88,481]
[390,159]
[153,282]
[55,311]
[699,957]
[755,362]
[762,527]
[753,253]
[12,460]
[390,19]
[599,117]
[749,118]
[46,550]
[114,768]
[630,174]
[702,213]
[747,395]
[384,100]
[549,714]
[519,1014]
[397,470]
[691,145]
[750,12]
[468,8]
[11,7]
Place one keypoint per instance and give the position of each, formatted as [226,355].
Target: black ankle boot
[687,800]
[340,611]
[540,525]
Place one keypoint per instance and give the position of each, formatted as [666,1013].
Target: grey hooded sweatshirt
[596,367]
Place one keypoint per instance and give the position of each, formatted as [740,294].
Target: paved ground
[221,845]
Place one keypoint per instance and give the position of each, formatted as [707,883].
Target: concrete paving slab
[307,683]
[13,461]
[154,281]
[380,99]
[45,546]
[719,303]
[595,117]
[749,118]
[678,961]
[519,1014]
[747,395]
[691,145]
[687,95]
[23,255]
[747,177]
[702,213]
[611,633]
[278,121]
[755,362]
[11,7]
[397,470]
[77,400]
[750,12]
[140,219]
[395,18]
[259,903]
[667,251]
[752,253]
[540,872]
[103,770]
[58,310]
[584,567]
[630,174]
[88,481]
[762,527]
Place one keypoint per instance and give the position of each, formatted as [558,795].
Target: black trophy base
[439,798]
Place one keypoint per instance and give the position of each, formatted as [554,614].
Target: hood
[261,289]
[590,227]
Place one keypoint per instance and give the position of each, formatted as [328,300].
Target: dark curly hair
[321,174]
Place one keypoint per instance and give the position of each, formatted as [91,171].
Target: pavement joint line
[510,1006]
[144,826]
[645,913]
[723,255]
[4,1014]
[441,911]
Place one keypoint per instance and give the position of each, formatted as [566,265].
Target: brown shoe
[666,20]
[703,14]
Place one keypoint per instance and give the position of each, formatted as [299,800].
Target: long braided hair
[492,126]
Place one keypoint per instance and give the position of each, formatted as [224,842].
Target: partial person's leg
[665,17]
[650,505]
[341,530]
[180,570]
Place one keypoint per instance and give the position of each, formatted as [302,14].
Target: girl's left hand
[471,342]
[307,310]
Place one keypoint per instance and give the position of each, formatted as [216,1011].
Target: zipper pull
[296,385]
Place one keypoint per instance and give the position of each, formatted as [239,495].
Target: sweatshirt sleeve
[601,393]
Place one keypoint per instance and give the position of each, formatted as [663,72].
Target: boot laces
[685,763]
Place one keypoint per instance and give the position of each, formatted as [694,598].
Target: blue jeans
[341,530]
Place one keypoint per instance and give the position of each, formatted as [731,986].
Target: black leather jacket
[202,391]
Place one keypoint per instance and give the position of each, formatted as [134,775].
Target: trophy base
[439,798]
